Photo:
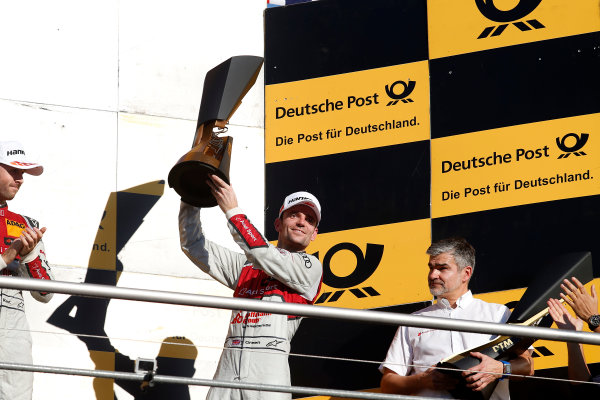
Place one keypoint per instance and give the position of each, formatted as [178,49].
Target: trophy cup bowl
[224,87]
[188,177]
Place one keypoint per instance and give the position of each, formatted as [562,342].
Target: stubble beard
[439,290]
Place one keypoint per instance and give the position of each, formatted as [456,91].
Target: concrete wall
[105,95]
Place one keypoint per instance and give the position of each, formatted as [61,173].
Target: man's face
[297,227]
[444,277]
[11,180]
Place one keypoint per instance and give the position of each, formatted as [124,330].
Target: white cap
[304,198]
[13,154]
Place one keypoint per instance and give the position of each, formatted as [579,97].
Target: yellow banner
[465,26]
[516,165]
[347,112]
[375,266]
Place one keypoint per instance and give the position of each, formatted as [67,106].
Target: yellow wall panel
[399,276]
[347,112]
[515,165]
[455,26]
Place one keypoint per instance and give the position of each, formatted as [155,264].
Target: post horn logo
[408,89]
[580,141]
[521,10]
[366,264]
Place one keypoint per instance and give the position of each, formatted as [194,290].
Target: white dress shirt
[414,350]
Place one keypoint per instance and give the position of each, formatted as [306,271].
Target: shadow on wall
[124,214]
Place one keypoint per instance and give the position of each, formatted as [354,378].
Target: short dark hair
[463,252]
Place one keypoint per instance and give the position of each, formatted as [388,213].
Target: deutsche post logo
[567,150]
[403,96]
[366,264]
[523,8]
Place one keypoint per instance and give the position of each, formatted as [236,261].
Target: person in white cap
[257,346]
[22,254]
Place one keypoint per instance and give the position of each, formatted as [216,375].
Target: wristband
[506,370]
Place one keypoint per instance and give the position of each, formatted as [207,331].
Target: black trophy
[224,87]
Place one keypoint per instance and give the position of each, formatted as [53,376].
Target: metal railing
[188,299]
[157,379]
[380,317]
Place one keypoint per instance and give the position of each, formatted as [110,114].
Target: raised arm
[583,303]
[222,264]
[578,369]
[299,271]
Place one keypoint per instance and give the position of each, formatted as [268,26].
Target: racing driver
[257,345]
[22,255]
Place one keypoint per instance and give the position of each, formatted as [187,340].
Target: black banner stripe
[513,243]
[331,37]
[343,339]
[515,85]
[356,189]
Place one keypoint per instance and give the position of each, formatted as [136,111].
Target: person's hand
[583,303]
[562,317]
[481,375]
[438,380]
[223,193]
[27,241]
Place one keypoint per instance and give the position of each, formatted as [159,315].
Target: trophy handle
[205,131]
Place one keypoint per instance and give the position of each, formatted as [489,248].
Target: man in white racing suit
[22,254]
[257,345]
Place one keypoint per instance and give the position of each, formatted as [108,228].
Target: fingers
[17,244]
[441,381]
[212,186]
[223,193]
[29,238]
[556,305]
[568,287]
[579,286]
[481,384]
[578,283]
[34,235]
[217,185]
[218,182]
[566,299]
[477,385]
[472,377]
[472,374]
[554,311]
[479,381]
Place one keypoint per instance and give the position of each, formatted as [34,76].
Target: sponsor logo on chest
[14,228]
[257,291]
[250,317]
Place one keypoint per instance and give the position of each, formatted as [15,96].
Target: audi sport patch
[248,232]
